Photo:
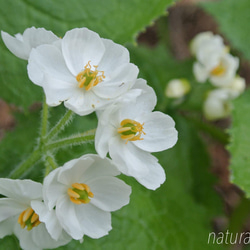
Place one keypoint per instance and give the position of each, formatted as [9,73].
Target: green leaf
[239,145]
[233,19]
[117,20]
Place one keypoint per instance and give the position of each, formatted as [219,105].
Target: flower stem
[72,140]
[27,164]
[38,153]
[60,125]
[45,115]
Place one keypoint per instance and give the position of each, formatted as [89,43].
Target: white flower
[84,192]
[213,60]
[130,131]
[177,88]
[220,72]
[19,215]
[21,45]
[217,104]
[84,71]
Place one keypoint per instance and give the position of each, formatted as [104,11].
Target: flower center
[80,193]
[89,78]
[28,218]
[218,71]
[131,130]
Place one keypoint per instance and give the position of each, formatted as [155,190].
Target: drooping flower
[217,104]
[130,132]
[177,88]
[21,45]
[20,215]
[84,71]
[83,192]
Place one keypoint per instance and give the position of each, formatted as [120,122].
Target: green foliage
[239,145]
[116,20]
[233,19]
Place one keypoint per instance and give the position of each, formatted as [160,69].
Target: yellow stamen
[131,130]
[89,78]
[80,193]
[28,218]
[218,71]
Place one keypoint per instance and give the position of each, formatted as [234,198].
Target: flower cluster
[88,74]
[215,64]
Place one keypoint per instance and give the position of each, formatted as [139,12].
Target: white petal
[73,170]
[57,90]
[104,132]
[84,103]
[114,56]
[79,46]
[10,207]
[135,162]
[110,193]
[36,37]
[160,133]
[7,226]
[21,190]
[94,222]
[49,218]
[47,59]
[117,81]
[17,47]
[52,189]
[200,73]
[147,93]
[66,213]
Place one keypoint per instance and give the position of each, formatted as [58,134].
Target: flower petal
[7,226]
[49,218]
[16,46]
[201,74]
[57,90]
[160,133]
[21,190]
[10,207]
[114,56]
[84,103]
[117,81]
[52,189]
[47,59]
[38,36]
[94,222]
[73,170]
[135,162]
[79,46]
[66,213]
[110,193]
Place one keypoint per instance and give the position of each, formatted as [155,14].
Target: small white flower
[21,45]
[217,104]
[220,72]
[177,88]
[20,214]
[213,60]
[130,132]
[84,71]
[83,193]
